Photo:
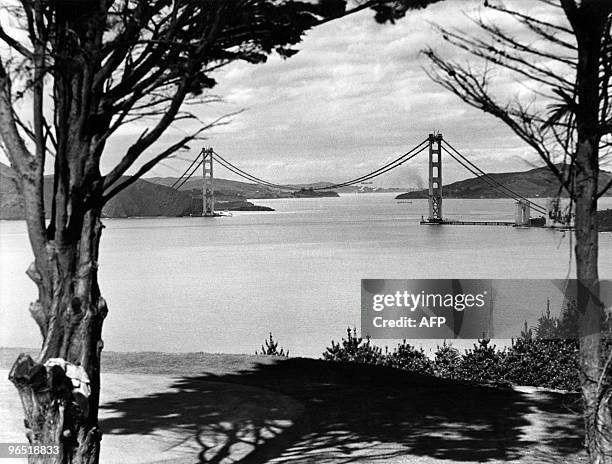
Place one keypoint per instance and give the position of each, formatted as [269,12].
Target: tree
[107,63]
[565,64]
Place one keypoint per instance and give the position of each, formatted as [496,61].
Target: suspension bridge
[435,144]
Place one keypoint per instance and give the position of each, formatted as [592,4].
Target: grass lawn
[198,407]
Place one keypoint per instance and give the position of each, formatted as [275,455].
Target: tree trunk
[60,390]
[597,413]
[588,21]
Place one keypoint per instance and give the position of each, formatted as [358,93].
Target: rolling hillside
[235,189]
[141,199]
[539,182]
[11,204]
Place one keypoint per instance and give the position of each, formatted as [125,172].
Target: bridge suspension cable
[387,167]
[488,181]
[245,175]
[474,169]
[186,171]
[199,157]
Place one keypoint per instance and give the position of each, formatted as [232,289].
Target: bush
[354,349]
[407,357]
[447,361]
[271,348]
[555,328]
[542,363]
[531,360]
[481,364]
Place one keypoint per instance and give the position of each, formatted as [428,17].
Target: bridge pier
[208,186]
[523,213]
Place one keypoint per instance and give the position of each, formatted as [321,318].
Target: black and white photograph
[306,231]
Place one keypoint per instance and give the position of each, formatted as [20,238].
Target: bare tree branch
[223,120]
[15,45]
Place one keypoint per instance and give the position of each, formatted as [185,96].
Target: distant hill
[539,182]
[11,204]
[144,198]
[141,199]
[225,188]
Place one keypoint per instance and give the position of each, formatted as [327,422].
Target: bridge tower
[435,178]
[208,185]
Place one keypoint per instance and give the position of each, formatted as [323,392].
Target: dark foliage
[543,363]
[446,362]
[555,328]
[409,358]
[392,11]
[271,348]
[549,363]
[354,349]
[482,364]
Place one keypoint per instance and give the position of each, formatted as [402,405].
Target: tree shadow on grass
[306,410]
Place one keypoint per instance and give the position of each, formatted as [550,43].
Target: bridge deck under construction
[468,223]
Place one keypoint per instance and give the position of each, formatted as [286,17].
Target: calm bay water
[221,284]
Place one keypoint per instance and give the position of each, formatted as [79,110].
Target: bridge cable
[480,176]
[186,170]
[488,180]
[387,167]
[192,173]
[482,173]
[368,177]
[245,175]
[359,179]
[495,186]
[534,205]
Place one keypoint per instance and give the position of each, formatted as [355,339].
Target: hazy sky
[355,97]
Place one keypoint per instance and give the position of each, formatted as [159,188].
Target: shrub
[550,363]
[271,348]
[354,349]
[446,362]
[564,327]
[481,364]
[542,363]
[550,358]
[407,357]
[547,326]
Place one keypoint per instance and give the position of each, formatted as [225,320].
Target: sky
[355,97]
